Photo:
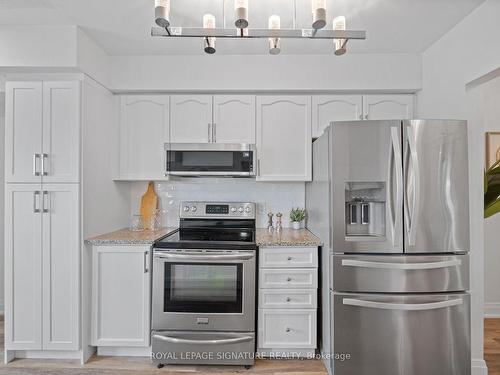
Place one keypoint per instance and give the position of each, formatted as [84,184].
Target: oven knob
[186,208]
[193,208]
[248,209]
[240,209]
[233,209]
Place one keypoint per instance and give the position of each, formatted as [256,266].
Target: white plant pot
[296,224]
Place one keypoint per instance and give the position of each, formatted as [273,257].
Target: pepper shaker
[278,221]
[270,227]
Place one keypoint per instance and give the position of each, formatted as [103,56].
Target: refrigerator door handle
[402,306]
[401,266]
[395,160]
[413,216]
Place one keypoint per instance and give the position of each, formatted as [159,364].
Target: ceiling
[122,27]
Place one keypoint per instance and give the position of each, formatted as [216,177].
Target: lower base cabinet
[121,296]
[287,318]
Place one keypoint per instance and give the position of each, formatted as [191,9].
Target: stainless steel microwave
[210,159]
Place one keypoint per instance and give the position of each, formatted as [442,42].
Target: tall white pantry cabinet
[42,216]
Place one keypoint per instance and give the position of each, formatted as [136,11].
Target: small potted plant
[297,215]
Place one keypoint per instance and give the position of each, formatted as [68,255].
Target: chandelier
[209,32]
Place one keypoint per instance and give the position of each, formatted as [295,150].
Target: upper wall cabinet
[284,138]
[328,108]
[144,128]
[386,107]
[42,125]
[191,118]
[234,119]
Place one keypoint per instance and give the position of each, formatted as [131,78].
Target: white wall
[269,197]
[467,52]
[363,72]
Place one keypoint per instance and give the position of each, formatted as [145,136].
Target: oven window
[210,161]
[203,288]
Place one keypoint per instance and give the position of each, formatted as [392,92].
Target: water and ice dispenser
[365,209]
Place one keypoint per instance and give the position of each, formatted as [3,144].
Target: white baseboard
[479,367]
[121,351]
[49,354]
[492,310]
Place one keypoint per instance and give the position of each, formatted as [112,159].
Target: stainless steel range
[204,287]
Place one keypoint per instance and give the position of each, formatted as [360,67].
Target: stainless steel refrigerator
[390,200]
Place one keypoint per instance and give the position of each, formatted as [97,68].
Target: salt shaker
[270,227]
[278,221]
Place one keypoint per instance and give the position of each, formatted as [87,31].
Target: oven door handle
[176,340]
[240,256]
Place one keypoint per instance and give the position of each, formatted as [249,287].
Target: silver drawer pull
[176,340]
[288,279]
[402,266]
[403,306]
[289,258]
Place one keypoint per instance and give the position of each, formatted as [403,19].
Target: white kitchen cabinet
[144,130]
[41,261]
[190,118]
[120,296]
[234,119]
[42,131]
[328,108]
[287,303]
[284,138]
[388,107]
[23,131]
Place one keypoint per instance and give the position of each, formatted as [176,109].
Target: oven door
[204,290]
[210,159]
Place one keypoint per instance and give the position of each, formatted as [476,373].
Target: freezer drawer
[400,273]
[402,335]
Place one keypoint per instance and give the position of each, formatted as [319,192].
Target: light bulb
[274,23]
[319,14]
[162,13]
[241,13]
[339,24]
[209,42]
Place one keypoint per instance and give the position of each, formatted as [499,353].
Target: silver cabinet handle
[45,196]
[44,156]
[36,201]
[401,266]
[146,262]
[209,136]
[402,306]
[35,169]
[176,340]
[242,256]
[214,132]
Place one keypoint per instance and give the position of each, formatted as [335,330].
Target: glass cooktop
[209,238]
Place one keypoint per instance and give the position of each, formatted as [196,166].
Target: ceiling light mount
[274,33]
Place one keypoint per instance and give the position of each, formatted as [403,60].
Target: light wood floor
[140,366]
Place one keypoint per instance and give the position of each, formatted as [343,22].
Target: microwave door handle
[402,306]
[243,256]
[401,266]
[176,340]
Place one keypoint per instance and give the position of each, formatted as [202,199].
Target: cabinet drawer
[288,257]
[288,278]
[287,328]
[287,299]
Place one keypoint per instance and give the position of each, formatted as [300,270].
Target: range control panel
[244,210]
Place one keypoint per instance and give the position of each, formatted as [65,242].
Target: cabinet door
[284,138]
[143,134]
[328,108]
[120,296]
[60,267]
[388,107]
[234,119]
[190,118]
[23,267]
[23,131]
[61,132]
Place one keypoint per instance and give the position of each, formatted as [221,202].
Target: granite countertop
[287,237]
[128,237]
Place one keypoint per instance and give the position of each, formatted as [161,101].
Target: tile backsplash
[274,197]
